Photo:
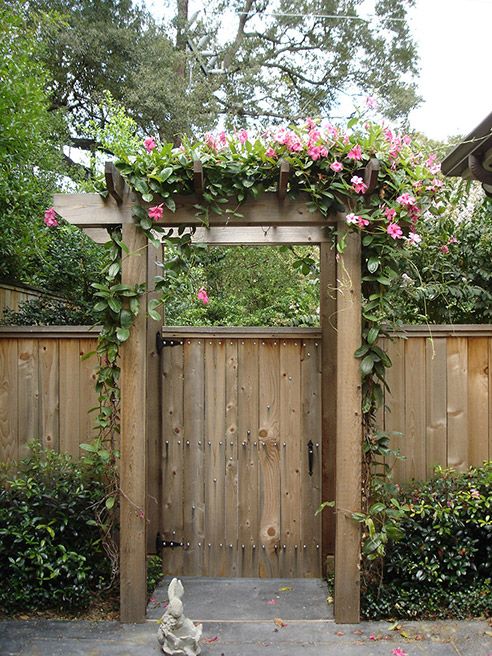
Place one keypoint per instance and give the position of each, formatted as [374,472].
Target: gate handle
[310,446]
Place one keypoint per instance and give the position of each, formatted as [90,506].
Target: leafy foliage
[441,567]
[448,279]
[46,311]
[247,287]
[51,554]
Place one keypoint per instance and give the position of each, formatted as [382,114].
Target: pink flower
[390,213]
[314,152]
[221,140]
[399,652]
[355,219]
[202,295]
[444,249]
[371,102]
[242,136]
[358,185]
[310,124]
[149,144]
[314,136]
[414,238]
[156,212]
[50,218]
[269,152]
[388,134]
[210,140]
[336,166]
[406,199]
[407,140]
[372,637]
[394,231]
[331,131]
[355,153]
[453,240]
[474,493]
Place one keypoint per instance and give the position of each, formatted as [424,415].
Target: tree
[31,170]
[276,60]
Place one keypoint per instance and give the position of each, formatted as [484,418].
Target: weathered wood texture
[348,435]
[440,403]
[46,391]
[12,295]
[238,413]
[134,361]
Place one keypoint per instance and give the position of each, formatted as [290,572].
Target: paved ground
[249,617]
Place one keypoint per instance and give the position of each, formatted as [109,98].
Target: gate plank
[231,464]
[395,402]
[248,456]
[290,457]
[214,474]
[311,485]
[172,521]
[269,458]
[194,493]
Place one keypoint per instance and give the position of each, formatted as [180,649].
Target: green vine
[328,165]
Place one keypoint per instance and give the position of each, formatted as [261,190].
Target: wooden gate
[241,470]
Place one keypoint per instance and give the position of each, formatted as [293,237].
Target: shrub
[47,311]
[51,554]
[443,565]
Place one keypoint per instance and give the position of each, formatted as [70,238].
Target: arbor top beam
[93,211]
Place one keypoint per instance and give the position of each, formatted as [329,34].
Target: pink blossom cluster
[216,141]
[149,144]
[355,219]
[50,218]
[202,295]
[156,213]
[289,139]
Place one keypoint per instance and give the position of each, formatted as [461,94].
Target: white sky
[454,43]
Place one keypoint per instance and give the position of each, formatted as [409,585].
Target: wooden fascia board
[456,162]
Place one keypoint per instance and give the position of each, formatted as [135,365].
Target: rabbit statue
[177,635]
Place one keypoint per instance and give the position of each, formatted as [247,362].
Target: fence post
[349,433]
[133,439]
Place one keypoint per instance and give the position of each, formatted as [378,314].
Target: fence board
[414,466]
[28,394]
[478,400]
[457,380]
[9,440]
[436,406]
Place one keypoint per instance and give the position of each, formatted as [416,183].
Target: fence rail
[440,381]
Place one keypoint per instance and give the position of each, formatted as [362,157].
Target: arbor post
[349,432]
[133,439]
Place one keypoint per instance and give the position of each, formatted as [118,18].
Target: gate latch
[310,447]
[165,544]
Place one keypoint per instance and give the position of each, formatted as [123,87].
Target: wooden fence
[441,393]
[13,294]
[46,390]
[441,398]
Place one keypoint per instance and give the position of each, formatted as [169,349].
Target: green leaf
[110,502]
[372,335]
[367,365]
[373,264]
[122,334]
[114,304]
[170,204]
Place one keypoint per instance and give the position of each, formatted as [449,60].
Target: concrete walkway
[249,617]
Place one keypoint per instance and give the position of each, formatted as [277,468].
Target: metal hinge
[165,343]
[165,544]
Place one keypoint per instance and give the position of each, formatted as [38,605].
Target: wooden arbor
[269,220]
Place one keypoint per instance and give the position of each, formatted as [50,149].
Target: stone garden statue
[177,635]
